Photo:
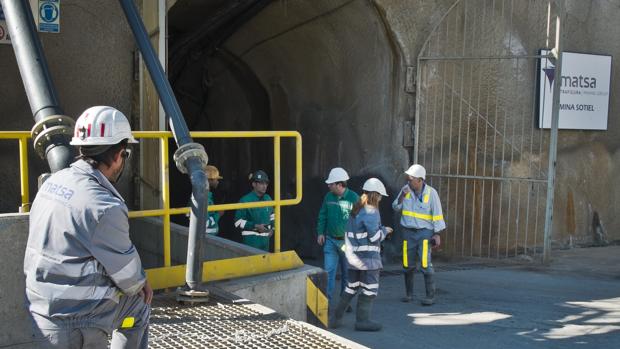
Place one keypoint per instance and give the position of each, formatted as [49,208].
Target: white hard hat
[101,125]
[337,174]
[416,171]
[373,184]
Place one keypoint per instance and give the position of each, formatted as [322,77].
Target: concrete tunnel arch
[329,69]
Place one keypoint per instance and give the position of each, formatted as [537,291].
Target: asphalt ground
[514,303]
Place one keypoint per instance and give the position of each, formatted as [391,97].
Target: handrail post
[165,197]
[276,191]
[23,172]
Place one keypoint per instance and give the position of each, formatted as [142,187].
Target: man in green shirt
[331,226]
[257,223]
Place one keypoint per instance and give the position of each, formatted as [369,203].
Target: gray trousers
[129,329]
[417,250]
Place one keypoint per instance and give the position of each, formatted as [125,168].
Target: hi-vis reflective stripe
[426,197]
[366,248]
[425,253]
[408,195]
[426,217]
[405,261]
[357,235]
[251,232]
[128,322]
[240,223]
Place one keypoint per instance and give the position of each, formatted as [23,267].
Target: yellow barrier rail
[22,137]
[166,211]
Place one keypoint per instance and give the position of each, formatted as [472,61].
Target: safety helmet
[416,171]
[213,172]
[337,174]
[101,125]
[259,176]
[373,184]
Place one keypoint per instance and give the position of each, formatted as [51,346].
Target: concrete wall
[15,326]
[91,63]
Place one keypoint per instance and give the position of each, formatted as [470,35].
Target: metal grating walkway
[226,323]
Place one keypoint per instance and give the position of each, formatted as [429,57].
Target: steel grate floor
[224,323]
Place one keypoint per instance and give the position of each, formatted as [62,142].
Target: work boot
[343,303]
[430,290]
[408,286]
[363,323]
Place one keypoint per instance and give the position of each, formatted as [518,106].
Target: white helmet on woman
[416,171]
[337,174]
[373,184]
[101,125]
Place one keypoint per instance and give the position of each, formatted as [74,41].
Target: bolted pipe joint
[187,151]
[51,136]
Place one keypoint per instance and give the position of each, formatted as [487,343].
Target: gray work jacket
[420,212]
[79,257]
[363,240]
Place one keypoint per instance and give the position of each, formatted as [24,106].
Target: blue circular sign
[48,12]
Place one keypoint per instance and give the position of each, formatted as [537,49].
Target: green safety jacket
[334,213]
[246,218]
[213,218]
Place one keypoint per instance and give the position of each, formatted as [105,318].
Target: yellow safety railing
[22,137]
[279,261]
[166,211]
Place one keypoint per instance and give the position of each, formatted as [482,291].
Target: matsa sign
[584,91]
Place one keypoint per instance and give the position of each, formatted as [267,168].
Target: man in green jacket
[213,218]
[257,223]
[331,226]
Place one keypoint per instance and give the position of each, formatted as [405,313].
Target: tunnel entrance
[326,69]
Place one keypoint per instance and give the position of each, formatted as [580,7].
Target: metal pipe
[190,157]
[52,130]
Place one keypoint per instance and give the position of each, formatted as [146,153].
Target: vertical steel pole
[553,144]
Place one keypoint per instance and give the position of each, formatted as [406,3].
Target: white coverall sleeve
[112,248]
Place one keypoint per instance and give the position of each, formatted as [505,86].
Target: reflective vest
[421,212]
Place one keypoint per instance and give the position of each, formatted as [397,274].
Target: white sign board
[49,16]
[584,91]
[4,31]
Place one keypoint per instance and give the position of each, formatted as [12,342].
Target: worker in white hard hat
[422,221]
[364,234]
[84,277]
[331,224]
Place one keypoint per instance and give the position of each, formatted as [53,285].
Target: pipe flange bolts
[187,151]
[53,125]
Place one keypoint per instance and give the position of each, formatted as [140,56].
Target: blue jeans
[334,257]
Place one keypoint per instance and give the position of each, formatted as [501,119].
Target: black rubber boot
[336,320]
[363,323]
[430,290]
[408,286]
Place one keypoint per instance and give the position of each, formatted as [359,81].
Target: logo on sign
[48,12]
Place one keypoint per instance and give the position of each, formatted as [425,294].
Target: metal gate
[476,123]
